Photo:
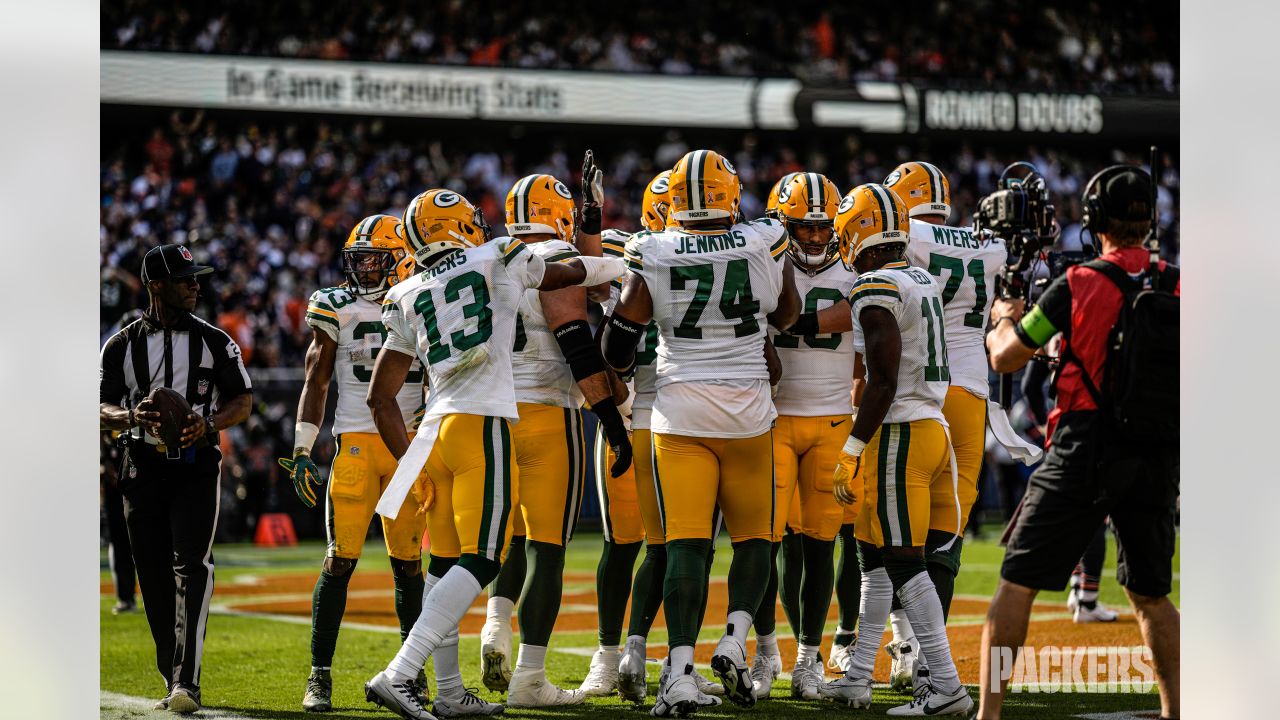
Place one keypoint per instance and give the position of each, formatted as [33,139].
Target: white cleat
[903,668]
[706,687]
[730,665]
[927,703]
[531,689]
[1073,599]
[841,656]
[764,670]
[854,693]
[805,680]
[466,706]
[495,655]
[399,698]
[632,681]
[1097,613]
[602,678]
[678,698]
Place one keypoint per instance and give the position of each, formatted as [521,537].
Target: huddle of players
[741,342]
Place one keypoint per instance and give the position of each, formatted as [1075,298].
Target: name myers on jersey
[955,237]
[690,244]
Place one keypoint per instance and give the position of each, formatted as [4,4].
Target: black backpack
[1138,401]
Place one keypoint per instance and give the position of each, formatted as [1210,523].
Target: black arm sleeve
[579,349]
[619,340]
[111,385]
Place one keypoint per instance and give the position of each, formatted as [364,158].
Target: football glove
[845,481]
[846,476]
[592,183]
[305,476]
[592,195]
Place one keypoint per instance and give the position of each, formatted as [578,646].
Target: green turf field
[256,667]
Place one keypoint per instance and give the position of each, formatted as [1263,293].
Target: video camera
[1018,212]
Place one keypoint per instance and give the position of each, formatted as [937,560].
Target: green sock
[765,617]
[683,589]
[848,581]
[328,602]
[706,585]
[815,594]
[543,587]
[646,590]
[748,574]
[613,587]
[409,582]
[511,577]
[790,564]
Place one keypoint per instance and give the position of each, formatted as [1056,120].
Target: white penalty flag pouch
[410,467]
[1018,448]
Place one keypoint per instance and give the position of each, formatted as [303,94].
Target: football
[174,413]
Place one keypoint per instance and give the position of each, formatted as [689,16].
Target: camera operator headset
[1112,444]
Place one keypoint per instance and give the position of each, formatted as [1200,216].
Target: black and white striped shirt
[195,358]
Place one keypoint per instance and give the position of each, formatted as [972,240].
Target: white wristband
[601,269]
[853,446]
[304,436]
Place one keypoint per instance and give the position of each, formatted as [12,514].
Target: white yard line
[142,707]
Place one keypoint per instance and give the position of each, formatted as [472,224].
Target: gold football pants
[805,451]
[899,469]
[362,469]
[693,474]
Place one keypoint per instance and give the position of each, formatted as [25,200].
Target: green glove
[305,476]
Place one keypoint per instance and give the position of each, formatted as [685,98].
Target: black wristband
[579,349]
[806,324]
[611,420]
[591,220]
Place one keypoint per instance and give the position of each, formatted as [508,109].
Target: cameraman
[1071,492]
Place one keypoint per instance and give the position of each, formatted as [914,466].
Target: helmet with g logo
[376,256]
[870,215]
[657,202]
[540,204]
[439,220]
[922,187]
[704,186]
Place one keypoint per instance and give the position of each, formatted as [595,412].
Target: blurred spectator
[1052,45]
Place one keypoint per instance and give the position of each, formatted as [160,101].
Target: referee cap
[170,261]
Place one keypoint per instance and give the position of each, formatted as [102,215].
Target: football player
[897,450]
[709,285]
[630,510]
[459,315]
[969,266]
[814,404]
[555,360]
[346,335]
[626,520]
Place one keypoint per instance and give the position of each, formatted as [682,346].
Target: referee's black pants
[171,508]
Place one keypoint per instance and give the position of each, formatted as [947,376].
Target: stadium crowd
[1052,45]
[268,202]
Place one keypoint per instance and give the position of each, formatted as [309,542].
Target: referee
[171,494]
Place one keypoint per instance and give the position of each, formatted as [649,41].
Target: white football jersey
[966,268]
[915,299]
[542,375]
[644,382]
[459,317]
[711,292]
[817,370]
[356,325]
